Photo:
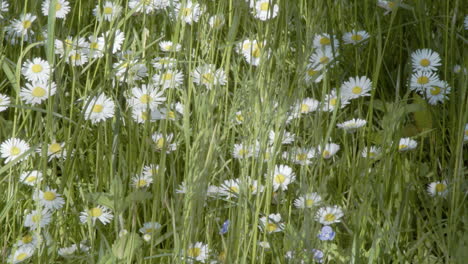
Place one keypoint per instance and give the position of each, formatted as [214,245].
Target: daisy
[314,73]
[4,102]
[115,38]
[101,213]
[301,156]
[322,57]
[70,43]
[371,152]
[331,101]
[29,240]
[96,47]
[67,251]
[150,228]
[38,218]
[308,105]
[282,177]
[98,108]
[209,76]
[329,215]
[356,87]
[308,200]
[141,115]
[285,138]
[352,125]
[49,198]
[252,51]
[217,21]
[36,70]
[141,181]
[329,150]
[62,8]
[169,46]
[12,148]
[3,7]
[272,223]
[189,12]
[438,92]
[197,252]
[31,178]
[355,37]
[438,188]
[425,60]
[389,6]
[130,71]
[230,188]
[253,186]
[238,117]
[242,151]
[407,144]
[465,133]
[264,10]
[170,78]
[55,150]
[21,254]
[161,63]
[151,170]
[146,96]
[264,244]
[77,57]
[22,27]
[324,41]
[143,6]
[109,11]
[422,80]
[459,69]
[162,142]
[37,91]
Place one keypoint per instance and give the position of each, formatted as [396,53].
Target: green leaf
[422,117]
[126,246]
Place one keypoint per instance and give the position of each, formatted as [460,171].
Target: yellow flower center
[27,239]
[217,22]
[167,76]
[95,212]
[256,52]
[144,99]
[371,154]
[324,60]
[171,115]
[168,47]
[423,80]
[27,24]
[239,118]
[325,41]
[301,157]
[312,72]
[108,10]
[55,147]
[94,45]
[49,196]
[149,230]
[234,189]
[304,108]
[144,115]
[186,12]
[21,256]
[333,101]
[31,179]
[440,187]
[356,37]
[326,154]
[243,152]
[425,62]
[435,90]
[15,151]
[36,218]
[271,227]
[36,68]
[330,217]
[466,132]
[391,5]
[75,57]
[141,183]
[356,90]
[402,146]
[194,252]
[38,92]
[160,143]
[58,6]
[208,78]
[98,108]
[309,202]
[280,178]
[68,42]
[264,6]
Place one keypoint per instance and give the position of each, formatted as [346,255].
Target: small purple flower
[318,255]
[225,227]
[326,233]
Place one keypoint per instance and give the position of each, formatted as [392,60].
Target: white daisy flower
[101,213]
[130,71]
[329,150]
[356,87]
[265,10]
[182,188]
[67,251]
[329,215]
[230,188]
[115,38]
[217,21]
[49,198]
[69,44]
[21,254]
[242,151]
[151,170]
[4,102]
[285,138]
[38,218]
[55,150]
[271,224]
[31,178]
[253,186]
[96,47]
[141,115]
[169,46]
[77,57]
[314,73]
[209,76]
[371,152]
[438,93]
[406,144]
[146,96]
[3,7]
[161,63]
[438,188]
[22,27]
[109,11]
[189,12]
[144,6]
[389,6]
[308,200]
[150,228]
[13,148]
[252,51]
[425,60]
[352,125]
[301,156]
[162,141]
[459,69]
[31,239]
[141,181]
[355,37]
[37,92]
[62,8]
[98,108]
[238,117]
[465,133]
[307,105]
[36,70]
[197,252]
[422,80]
[323,57]
[170,78]
[282,177]
[331,101]
[324,41]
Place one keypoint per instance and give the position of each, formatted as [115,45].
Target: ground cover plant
[258,131]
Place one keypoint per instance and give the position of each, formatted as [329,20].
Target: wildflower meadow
[233,131]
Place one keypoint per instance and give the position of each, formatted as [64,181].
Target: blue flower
[326,233]
[225,227]
[318,255]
